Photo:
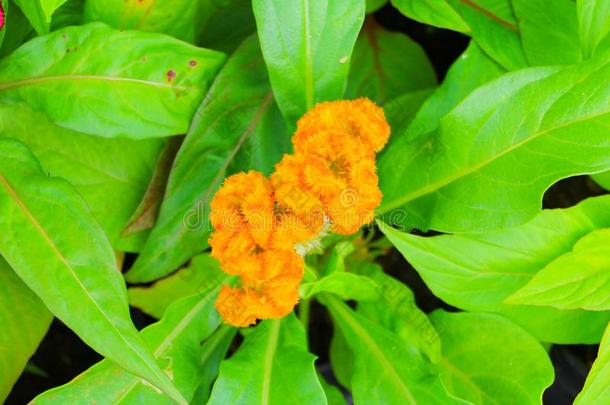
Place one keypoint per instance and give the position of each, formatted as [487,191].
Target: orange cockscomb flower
[264,227]
[361,118]
[245,203]
[270,294]
[340,175]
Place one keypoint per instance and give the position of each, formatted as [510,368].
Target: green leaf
[177,18]
[494,27]
[175,343]
[24,320]
[271,367]
[52,241]
[348,286]
[384,370]
[185,282]
[490,360]
[97,167]
[397,311]
[386,65]
[478,272]
[603,179]
[549,31]
[35,14]
[110,83]
[433,12]
[237,127]
[468,164]
[593,25]
[472,69]
[578,279]
[307,47]
[597,390]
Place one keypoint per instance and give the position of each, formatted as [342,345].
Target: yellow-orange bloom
[361,118]
[260,224]
[245,203]
[342,180]
[242,307]
[271,298]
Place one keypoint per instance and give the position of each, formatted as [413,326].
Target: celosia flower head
[263,227]
[360,118]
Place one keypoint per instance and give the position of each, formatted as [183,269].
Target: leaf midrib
[309,91]
[42,79]
[30,217]
[490,15]
[432,187]
[270,350]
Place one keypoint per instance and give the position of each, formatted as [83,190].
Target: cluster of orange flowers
[263,226]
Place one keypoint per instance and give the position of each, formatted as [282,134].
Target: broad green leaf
[484,161]
[272,366]
[24,320]
[549,31]
[237,127]
[348,286]
[478,272]
[593,24]
[110,83]
[225,24]
[177,18]
[175,343]
[307,45]
[578,279]
[51,240]
[385,371]
[154,300]
[597,390]
[494,27]
[603,179]
[433,12]
[397,311]
[35,14]
[386,65]
[472,69]
[487,359]
[110,174]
